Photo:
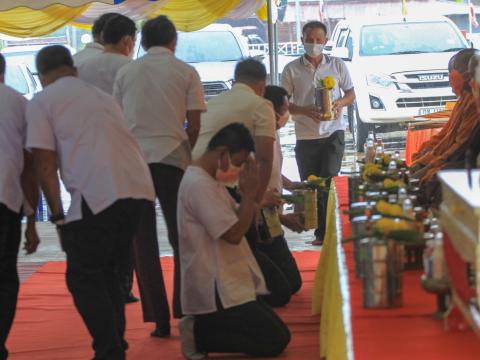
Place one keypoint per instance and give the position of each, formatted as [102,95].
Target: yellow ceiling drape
[188,15]
[262,13]
[24,22]
[191,15]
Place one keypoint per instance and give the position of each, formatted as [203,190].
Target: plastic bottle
[407,208]
[370,151]
[438,272]
[371,136]
[380,144]
[378,154]
[392,165]
[428,258]
[402,195]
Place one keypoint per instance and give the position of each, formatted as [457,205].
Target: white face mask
[313,50]
[283,119]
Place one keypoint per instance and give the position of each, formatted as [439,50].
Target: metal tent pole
[298,21]
[275,46]
[271,43]
[470,19]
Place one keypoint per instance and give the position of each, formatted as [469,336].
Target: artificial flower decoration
[329,82]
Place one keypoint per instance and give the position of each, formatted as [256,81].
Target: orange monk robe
[463,117]
[435,139]
[460,134]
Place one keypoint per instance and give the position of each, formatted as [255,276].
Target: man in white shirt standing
[119,41]
[77,129]
[220,276]
[95,47]
[17,183]
[320,144]
[162,98]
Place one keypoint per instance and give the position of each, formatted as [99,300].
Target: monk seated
[448,149]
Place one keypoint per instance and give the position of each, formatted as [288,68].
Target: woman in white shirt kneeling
[220,278]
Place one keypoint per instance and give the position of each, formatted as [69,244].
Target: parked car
[21,70]
[255,39]
[398,67]
[213,51]
[21,79]
[25,54]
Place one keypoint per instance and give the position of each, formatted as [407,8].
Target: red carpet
[47,327]
[408,333]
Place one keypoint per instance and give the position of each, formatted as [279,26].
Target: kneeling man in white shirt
[74,127]
[220,278]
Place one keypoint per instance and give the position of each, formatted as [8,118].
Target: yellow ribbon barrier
[331,298]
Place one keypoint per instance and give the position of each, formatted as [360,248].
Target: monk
[435,153]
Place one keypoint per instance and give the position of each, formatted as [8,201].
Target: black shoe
[130,299]
[316,242]
[161,331]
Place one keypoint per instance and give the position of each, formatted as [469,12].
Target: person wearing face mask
[320,144]
[277,248]
[162,98]
[221,279]
[245,104]
[119,39]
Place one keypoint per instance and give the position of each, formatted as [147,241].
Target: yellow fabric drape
[262,13]
[24,22]
[327,298]
[192,15]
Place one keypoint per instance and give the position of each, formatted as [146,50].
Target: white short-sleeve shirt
[101,69]
[87,52]
[156,91]
[12,138]
[98,157]
[276,182]
[299,78]
[240,104]
[205,212]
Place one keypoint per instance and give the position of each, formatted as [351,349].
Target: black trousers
[146,255]
[279,253]
[321,157]
[10,237]
[166,180]
[98,248]
[252,329]
[277,282]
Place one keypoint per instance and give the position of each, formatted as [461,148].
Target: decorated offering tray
[390,228]
[304,199]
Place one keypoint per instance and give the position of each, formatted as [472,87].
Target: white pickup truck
[398,66]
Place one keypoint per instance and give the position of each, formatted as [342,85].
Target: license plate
[426,111]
